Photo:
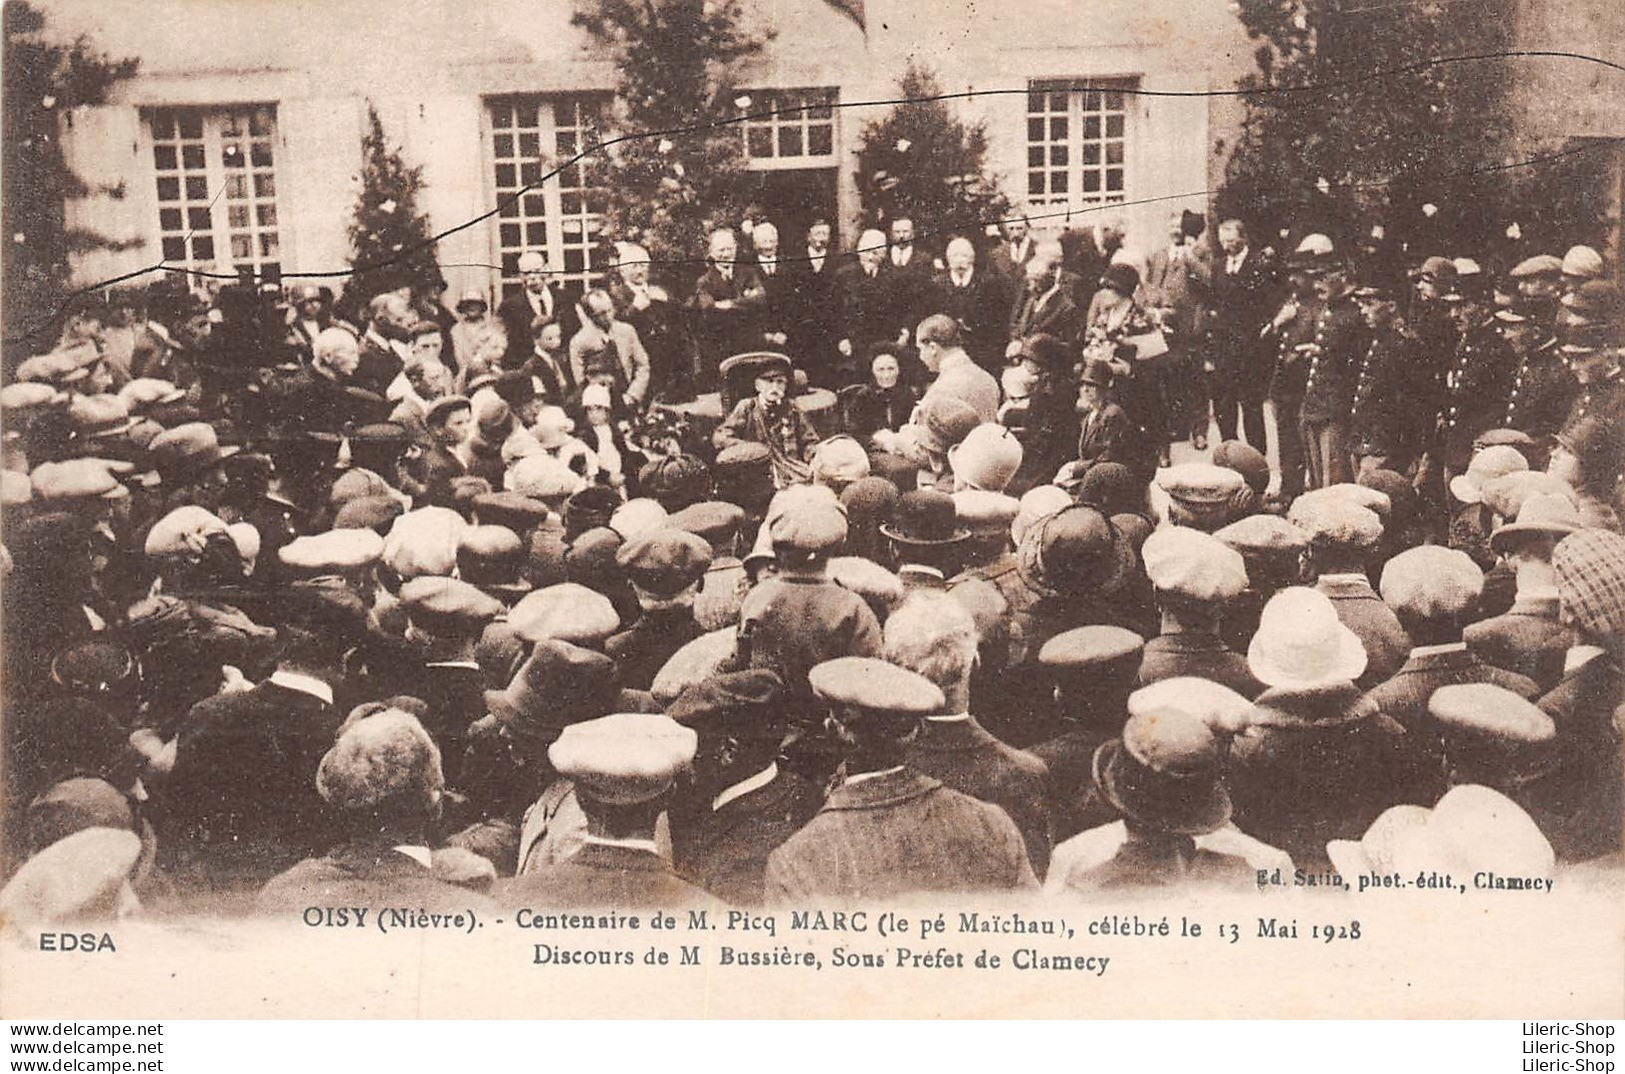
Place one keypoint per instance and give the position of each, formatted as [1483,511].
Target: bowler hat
[925,517]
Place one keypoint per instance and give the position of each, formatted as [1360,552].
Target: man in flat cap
[1196,578]
[741,806]
[1434,591]
[932,635]
[665,568]
[623,767]
[383,778]
[1342,536]
[887,831]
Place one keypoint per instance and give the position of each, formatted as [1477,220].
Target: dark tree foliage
[44,81]
[390,243]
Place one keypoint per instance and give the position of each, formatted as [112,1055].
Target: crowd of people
[834,576]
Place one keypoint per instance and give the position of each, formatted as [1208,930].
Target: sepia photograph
[812,509]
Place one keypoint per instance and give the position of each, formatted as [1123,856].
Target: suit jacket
[1055,310]
[868,308]
[377,367]
[1182,287]
[368,874]
[516,315]
[659,327]
[896,834]
[789,624]
[982,308]
[778,300]
[631,372]
[910,287]
[1011,261]
[1578,803]
[1169,656]
[242,796]
[1107,435]
[1528,640]
[641,650]
[1242,303]
[1318,765]
[964,756]
[601,875]
[721,333]
[960,377]
[1362,611]
[815,307]
[725,850]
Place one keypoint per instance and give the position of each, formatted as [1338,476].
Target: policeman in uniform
[1542,388]
[1333,362]
[1391,386]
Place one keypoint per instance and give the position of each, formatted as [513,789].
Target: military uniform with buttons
[1328,390]
[1474,395]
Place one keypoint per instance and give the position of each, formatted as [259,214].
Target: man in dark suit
[909,270]
[623,767]
[868,312]
[816,321]
[1245,293]
[742,806]
[1175,288]
[1107,434]
[384,346]
[1047,302]
[536,300]
[1009,258]
[383,777]
[241,801]
[648,308]
[1530,639]
[886,830]
[979,300]
[726,307]
[933,634]
[777,301]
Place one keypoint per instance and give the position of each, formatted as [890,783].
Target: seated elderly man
[383,779]
[770,418]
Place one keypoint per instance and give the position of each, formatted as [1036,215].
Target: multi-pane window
[1076,145]
[216,175]
[790,129]
[558,215]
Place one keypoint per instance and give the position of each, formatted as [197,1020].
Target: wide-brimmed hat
[1472,829]
[1164,772]
[1077,550]
[1542,515]
[1300,643]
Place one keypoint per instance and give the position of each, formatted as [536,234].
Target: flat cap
[1486,465]
[1582,261]
[863,684]
[695,662]
[368,513]
[868,579]
[806,521]
[84,876]
[543,477]
[382,759]
[77,479]
[870,501]
[195,443]
[716,522]
[184,533]
[636,517]
[1092,648]
[514,510]
[15,488]
[1264,534]
[100,415]
[1200,483]
[1490,711]
[1197,566]
[1336,522]
[665,562]
[945,420]
[448,607]
[335,550]
[564,612]
[1246,460]
[1539,265]
[26,395]
[624,758]
[1431,582]
[356,483]
[675,480]
[1223,710]
[839,461]
[489,555]
[735,704]
[1590,568]
[424,541]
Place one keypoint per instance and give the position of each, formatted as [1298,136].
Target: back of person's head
[932,634]
[941,329]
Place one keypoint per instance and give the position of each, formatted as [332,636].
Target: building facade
[238,144]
